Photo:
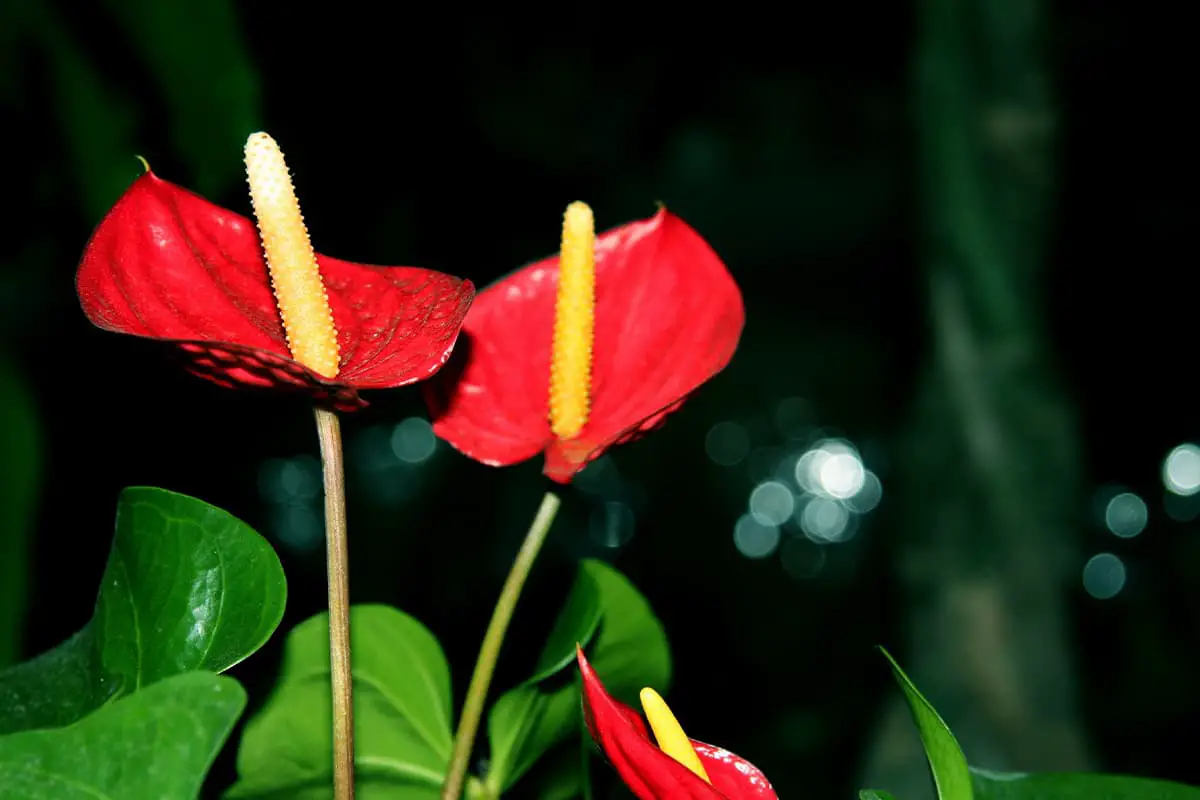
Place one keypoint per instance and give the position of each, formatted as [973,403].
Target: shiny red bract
[167,264]
[668,317]
[650,773]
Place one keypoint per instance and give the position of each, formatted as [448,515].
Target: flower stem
[338,568]
[489,651]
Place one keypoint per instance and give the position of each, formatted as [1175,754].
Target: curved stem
[337,558]
[489,651]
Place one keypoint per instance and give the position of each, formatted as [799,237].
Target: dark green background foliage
[962,241]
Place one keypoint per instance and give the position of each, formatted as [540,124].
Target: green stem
[337,558]
[489,651]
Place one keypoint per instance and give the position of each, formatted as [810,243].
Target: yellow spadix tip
[574,324]
[295,277]
[669,733]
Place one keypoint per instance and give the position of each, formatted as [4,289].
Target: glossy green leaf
[187,587]
[575,624]
[627,646]
[157,744]
[1075,786]
[630,650]
[524,723]
[946,761]
[401,706]
[874,794]
[20,461]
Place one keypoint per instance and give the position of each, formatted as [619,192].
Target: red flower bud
[649,772]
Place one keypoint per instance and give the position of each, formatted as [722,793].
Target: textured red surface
[649,772]
[167,264]
[668,317]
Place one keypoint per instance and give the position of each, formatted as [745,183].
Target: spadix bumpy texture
[574,322]
[295,277]
[669,733]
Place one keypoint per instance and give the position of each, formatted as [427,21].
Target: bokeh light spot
[1126,515]
[832,468]
[611,524]
[772,503]
[753,539]
[297,527]
[727,443]
[1104,576]
[1181,470]
[286,480]
[824,520]
[868,497]
[842,475]
[413,441]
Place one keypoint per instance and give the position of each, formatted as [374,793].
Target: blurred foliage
[789,148]
[985,548]
[20,454]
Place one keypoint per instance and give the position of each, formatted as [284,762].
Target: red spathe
[650,773]
[668,317]
[167,264]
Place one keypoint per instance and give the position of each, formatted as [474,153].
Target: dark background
[435,137]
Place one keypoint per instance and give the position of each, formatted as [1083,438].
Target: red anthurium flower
[167,264]
[575,353]
[675,767]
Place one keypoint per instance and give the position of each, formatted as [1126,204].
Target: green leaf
[155,745]
[20,457]
[401,713]
[523,724]
[630,652]
[1067,786]
[946,760]
[627,646]
[576,623]
[187,587]
[874,794]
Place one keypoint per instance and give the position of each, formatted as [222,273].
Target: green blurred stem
[489,651]
[337,558]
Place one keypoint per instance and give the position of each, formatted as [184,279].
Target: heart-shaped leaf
[575,625]
[187,587]
[402,713]
[1075,786]
[627,645]
[157,744]
[946,760]
[630,650]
